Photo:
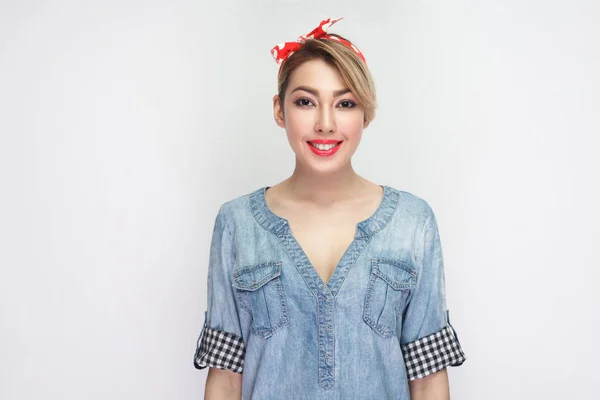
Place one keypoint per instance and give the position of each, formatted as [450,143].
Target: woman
[326,285]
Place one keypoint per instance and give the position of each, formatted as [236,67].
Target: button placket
[326,341]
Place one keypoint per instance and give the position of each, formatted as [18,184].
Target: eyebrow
[315,92]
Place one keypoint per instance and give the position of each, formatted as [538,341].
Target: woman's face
[322,118]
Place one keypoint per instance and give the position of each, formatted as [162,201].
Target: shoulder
[410,204]
[238,209]
[412,214]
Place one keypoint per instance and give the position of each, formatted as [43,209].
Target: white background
[125,124]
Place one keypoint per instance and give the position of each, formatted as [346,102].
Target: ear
[366,124]
[278,112]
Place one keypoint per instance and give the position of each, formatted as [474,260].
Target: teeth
[321,146]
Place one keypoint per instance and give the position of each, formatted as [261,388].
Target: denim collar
[370,226]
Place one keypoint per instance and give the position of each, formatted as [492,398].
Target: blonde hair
[353,70]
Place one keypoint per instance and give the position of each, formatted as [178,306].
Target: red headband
[282,51]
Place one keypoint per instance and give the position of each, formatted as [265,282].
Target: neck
[324,189]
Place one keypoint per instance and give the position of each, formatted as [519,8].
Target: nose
[325,121]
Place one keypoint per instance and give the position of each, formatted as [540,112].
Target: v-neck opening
[363,232]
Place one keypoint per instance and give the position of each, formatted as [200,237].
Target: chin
[326,168]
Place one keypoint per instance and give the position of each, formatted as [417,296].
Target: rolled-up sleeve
[220,344]
[429,343]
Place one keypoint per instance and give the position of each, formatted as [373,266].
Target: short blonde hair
[353,70]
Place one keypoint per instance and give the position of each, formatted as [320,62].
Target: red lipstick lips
[324,153]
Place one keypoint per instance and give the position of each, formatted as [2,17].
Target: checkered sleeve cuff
[220,349]
[432,353]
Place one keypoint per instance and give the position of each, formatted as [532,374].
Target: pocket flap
[398,274]
[254,276]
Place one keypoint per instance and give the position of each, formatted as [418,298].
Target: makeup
[324,148]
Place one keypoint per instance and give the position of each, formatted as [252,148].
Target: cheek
[297,122]
[351,124]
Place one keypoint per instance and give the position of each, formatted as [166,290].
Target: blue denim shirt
[379,321]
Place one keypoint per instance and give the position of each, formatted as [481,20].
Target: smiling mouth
[323,146]
[325,149]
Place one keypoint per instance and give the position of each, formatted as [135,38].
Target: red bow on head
[282,51]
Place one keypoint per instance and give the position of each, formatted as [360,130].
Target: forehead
[316,74]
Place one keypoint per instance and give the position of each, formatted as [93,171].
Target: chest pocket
[389,281]
[262,295]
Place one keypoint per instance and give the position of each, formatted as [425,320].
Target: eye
[303,102]
[346,104]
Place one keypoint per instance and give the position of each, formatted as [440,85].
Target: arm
[431,387]
[429,343]
[221,345]
[223,385]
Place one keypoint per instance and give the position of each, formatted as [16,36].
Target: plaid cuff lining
[220,349]
[432,353]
